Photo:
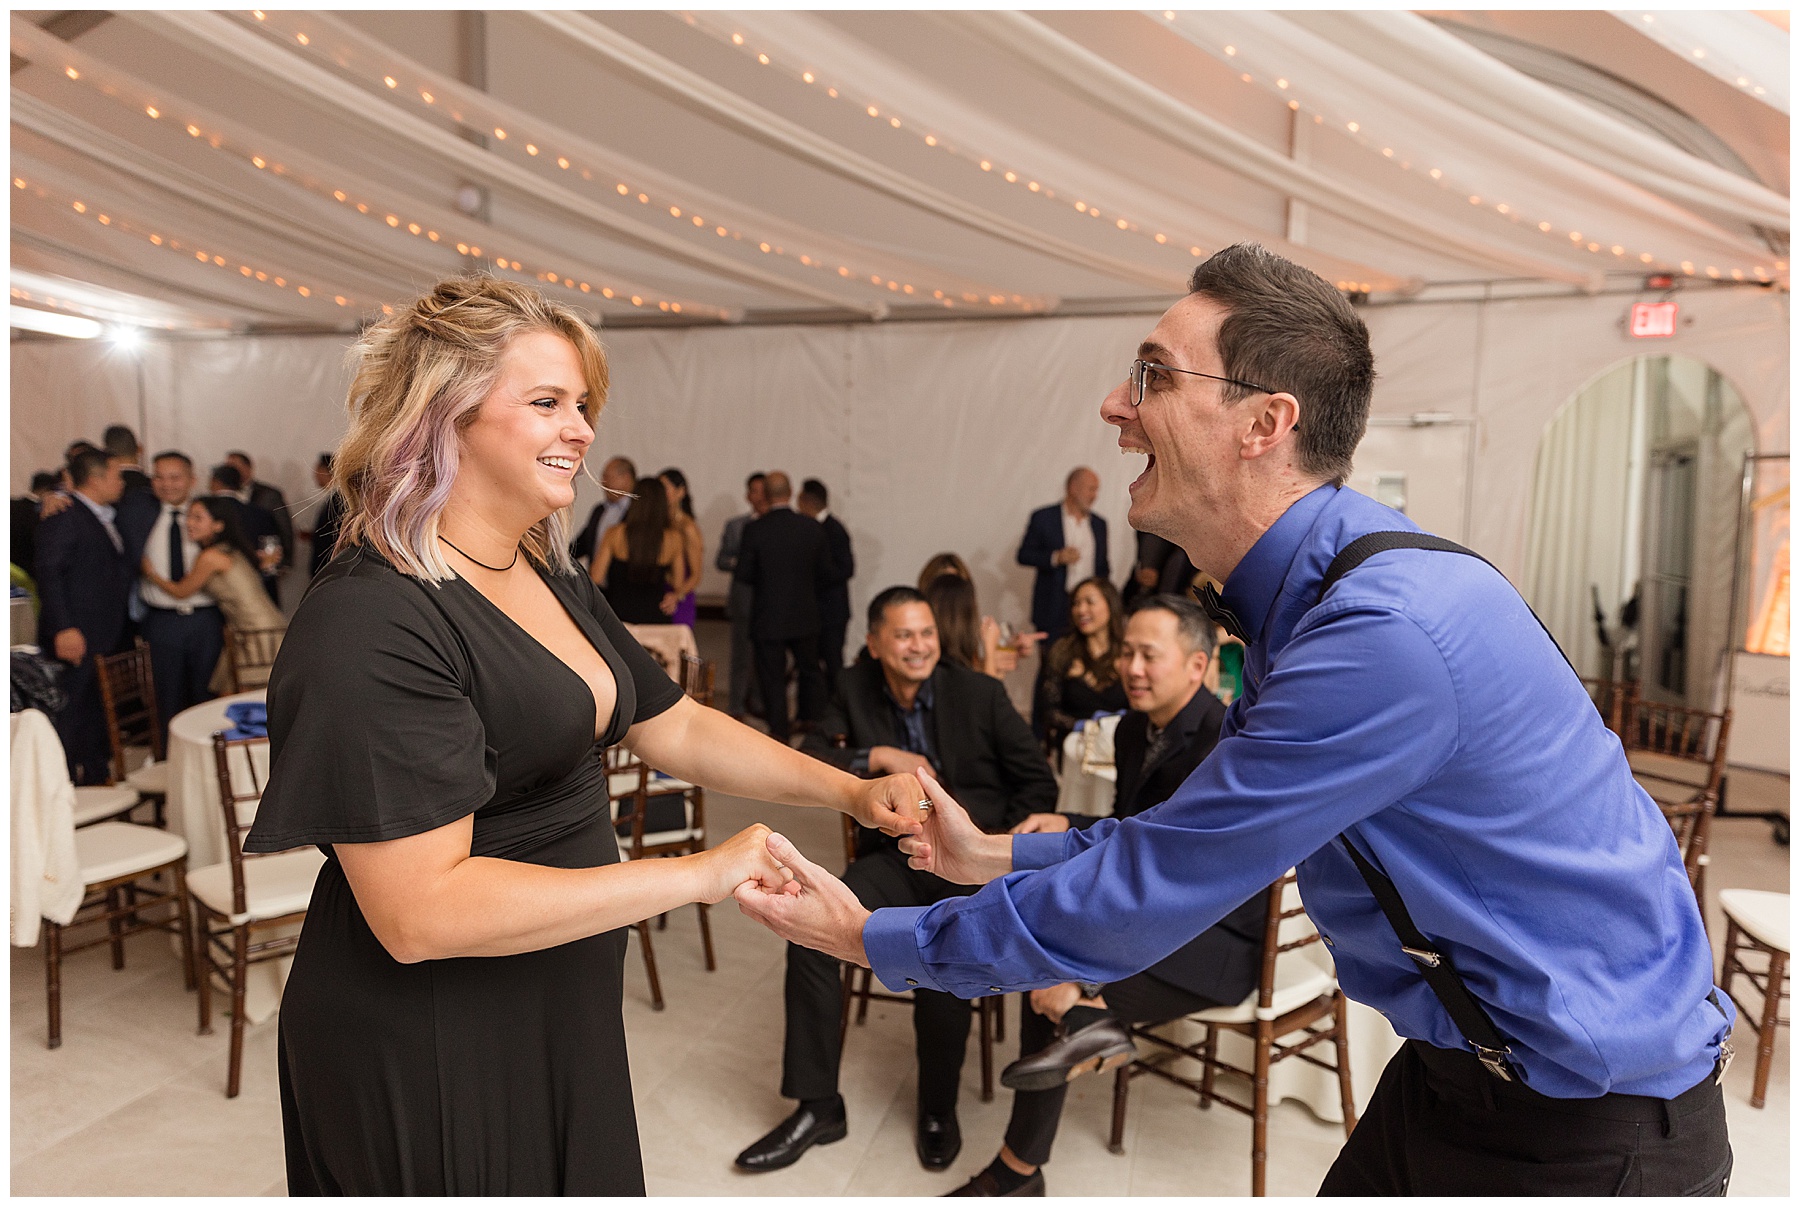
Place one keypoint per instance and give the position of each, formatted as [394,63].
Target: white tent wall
[942,435]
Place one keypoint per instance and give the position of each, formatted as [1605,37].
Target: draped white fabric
[1740,48]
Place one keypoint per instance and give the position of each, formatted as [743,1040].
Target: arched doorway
[1634,507]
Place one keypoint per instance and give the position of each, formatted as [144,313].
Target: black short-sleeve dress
[395,707]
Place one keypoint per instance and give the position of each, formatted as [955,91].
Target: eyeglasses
[1140,378]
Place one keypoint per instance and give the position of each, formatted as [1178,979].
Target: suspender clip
[1494,1059]
[1427,958]
[1726,1052]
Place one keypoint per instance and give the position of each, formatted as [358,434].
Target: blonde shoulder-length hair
[421,374]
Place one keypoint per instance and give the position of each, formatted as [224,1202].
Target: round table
[1087,785]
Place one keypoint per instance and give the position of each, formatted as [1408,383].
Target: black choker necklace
[482,564]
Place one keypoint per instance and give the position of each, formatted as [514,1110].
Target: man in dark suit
[137,508]
[84,582]
[785,561]
[25,520]
[834,600]
[1162,568]
[1173,724]
[902,709]
[259,523]
[186,635]
[270,499]
[1066,543]
[745,695]
[618,478]
[327,520]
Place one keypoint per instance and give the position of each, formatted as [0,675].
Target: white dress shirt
[1079,535]
[156,549]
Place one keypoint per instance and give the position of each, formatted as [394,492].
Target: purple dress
[686,611]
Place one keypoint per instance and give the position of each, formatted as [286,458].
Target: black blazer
[834,600]
[785,558]
[1225,962]
[24,534]
[271,500]
[136,514]
[83,582]
[987,757]
[1050,593]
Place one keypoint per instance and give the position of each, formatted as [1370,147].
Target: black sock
[1079,1017]
[825,1108]
[1006,1178]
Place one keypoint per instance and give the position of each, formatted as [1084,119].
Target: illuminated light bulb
[281,282]
[1161,238]
[1617,250]
[219,260]
[1193,251]
[763,247]
[699,221]
[1353,127]
[262,276]
[931,140]
[1245,77]
[153,111]
[304,292]
[80,208]
[257,13]
[259,161]
[1295,105]
[1081,206]
[806,260]
[832,93]
[515,266]
[1437,173]
[414,227]
[1649,20]
[427,98]
[1033,186]
[340,300]
[675,306]
[390,81]
[1742,82]
[842,271]
[462,249]
[737,39]
[1281,84]
[245,270]
[531,148]
[105,221]
[807,76]
[1231,50]
[894,122]
[938,294]
[71,73]
[873,111]
[1645,257]
[763,59]
[636,300]
[193,131]
[303,39]
[1712,272]
[987,165]
[392,220]
[1574,236]
[18,182]
[1699,52]
[1012,178]
[156,239]
[606,293]
[909,288]
[562,163]
[473,250]
[1168,15]
[1388,151]
[1504,208]
[1544,226]
[643,198]
[1474,200]
[874,280]
[200,256]
[1762,274]
[720,231]
[499,133]
[1121,224]
[1593,247]
[568,282]
[1737,274]
[586,288]
[1759,90]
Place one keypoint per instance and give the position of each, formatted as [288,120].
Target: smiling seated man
[1076,1028]
[901,709]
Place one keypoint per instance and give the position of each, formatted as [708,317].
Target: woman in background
[964,635]
[225,570]
[943,563]
[1079,677]
[640,560]
[693,546]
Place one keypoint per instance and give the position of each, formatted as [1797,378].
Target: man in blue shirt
[1419,710]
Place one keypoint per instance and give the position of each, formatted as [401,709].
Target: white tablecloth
[1088,791]
[666,643]
[24,621]
[197,814]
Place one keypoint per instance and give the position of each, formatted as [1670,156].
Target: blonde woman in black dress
[438,717]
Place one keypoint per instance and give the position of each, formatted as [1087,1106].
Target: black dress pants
[1439,1124]
[1035,1113]
[745,695]
[771,675]
[831,651]
[809,1067]
[184,652]
[82,723]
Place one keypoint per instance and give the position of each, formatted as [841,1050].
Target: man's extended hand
[815,909]
[70,645]
[889,804]
[891,760]
[1042,823]
[952,846]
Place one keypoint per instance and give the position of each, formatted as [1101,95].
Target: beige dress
[247,608]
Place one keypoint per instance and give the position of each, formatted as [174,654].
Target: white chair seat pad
[97,802]
[1297,982]
[1761,915]
[274,885]
[667,785]
[151,779]
[622,783]
[112,849]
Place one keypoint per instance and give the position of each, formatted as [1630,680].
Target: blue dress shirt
[1423,710]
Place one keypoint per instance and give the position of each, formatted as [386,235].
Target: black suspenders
[1477,1029]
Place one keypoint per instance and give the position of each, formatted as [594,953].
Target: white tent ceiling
[294,171]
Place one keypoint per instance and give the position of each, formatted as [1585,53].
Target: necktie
[177,563]
[1207,596]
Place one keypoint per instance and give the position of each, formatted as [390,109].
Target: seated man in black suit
[786,561]
[1173,724]
[84,583]
[901,709]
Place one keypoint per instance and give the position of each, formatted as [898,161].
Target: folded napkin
[250,719]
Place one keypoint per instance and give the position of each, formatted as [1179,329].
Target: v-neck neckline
[599,647]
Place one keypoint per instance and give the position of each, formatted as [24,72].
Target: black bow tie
[1207,596]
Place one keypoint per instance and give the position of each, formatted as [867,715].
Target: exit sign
[1653,320]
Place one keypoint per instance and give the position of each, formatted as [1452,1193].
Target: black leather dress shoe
[985,1185]
[939,1140]
[792,1137]
[1097,1047]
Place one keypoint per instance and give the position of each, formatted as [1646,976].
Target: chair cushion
[111,849]
[274,885]
[99,802]
[152,779]
[621,783]
[1297,981]
[1762,915]
[667,785]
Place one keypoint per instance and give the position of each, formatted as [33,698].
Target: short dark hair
[45,479]
[84,465]
[754,478]
[1195,626]
[227,476]
[630,467]
[241,455]
[814,491]
[120,441]
[1286,328]
[170,454]
[79,446]
[893,597]
[325,461]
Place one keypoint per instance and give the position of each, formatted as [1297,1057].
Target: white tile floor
[133,1103]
